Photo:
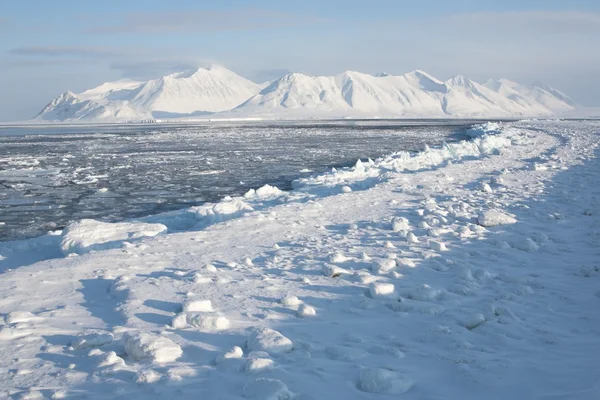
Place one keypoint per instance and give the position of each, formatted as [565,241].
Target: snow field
[500,310]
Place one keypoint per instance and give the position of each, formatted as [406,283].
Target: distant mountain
[207,90]
[412,95]
[351,94]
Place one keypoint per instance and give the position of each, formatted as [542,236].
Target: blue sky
[49,47]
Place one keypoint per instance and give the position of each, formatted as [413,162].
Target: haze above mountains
[216,92]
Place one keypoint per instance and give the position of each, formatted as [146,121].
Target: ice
[182,165]
[93,340]
[270,341]
[494,218]
[87,235]
[145,346]
[313,294]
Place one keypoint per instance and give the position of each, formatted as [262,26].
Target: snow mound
[93,340]
[257,365]
[264,192]
[151,347]
[89,235]
[203,321]
[197,306]
[290,301]
[494,218]
[306,311]
[226,209]
[270,341]
[384,381]
[378,289]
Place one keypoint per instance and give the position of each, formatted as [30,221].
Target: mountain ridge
[217,91]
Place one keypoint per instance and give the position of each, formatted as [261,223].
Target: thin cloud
[204,21]
[64,52]
[150,69]
[540,21]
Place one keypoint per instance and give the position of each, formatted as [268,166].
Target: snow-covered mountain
[217,90]
[205,90]
[415,94]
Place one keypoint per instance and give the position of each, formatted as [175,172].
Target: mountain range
[216,92]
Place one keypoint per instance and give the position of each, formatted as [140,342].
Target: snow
[383,381]
[93,340]
[88,235]
[216,93]
[202,91]
[482,294]
[491,218]
[197,306]
[270,341]
[151,347]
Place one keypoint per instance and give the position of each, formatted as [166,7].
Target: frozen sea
[56,174]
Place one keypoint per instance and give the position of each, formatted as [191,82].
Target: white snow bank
[151,347]
[494,218]
[226,209]
[270,341]
[86,235]
[405,161]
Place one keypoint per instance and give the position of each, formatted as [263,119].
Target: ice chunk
[151,347]
[270,341]
[290,301]
[494,218]
[400,224]
[202,321]
[306,311]
[378,289]
[87,235]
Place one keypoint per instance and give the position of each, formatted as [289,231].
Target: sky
[48,47]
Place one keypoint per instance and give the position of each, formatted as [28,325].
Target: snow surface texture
[350,94]
[503,305]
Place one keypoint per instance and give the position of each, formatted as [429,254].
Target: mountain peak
[460,81]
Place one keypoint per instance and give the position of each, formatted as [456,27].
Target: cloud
[559,22]
[149,69]
[63,52]
[204,21]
